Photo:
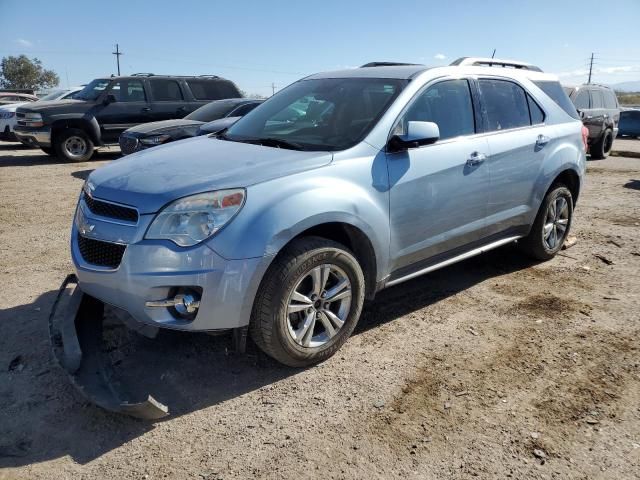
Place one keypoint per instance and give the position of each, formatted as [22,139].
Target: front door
[438,192]
[130,108]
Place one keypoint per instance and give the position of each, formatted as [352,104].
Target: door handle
[542,140]
[146,109]
[476,158]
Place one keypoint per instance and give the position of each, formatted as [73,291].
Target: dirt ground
[497,367]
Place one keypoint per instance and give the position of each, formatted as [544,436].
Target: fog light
[183,303]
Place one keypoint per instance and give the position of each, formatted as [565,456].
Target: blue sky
[260,43]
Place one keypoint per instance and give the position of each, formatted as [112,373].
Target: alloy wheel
[318,305]
[556,223]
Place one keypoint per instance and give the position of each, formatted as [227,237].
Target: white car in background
[8,112]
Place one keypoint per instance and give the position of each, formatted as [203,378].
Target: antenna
[117,53]
[493,55]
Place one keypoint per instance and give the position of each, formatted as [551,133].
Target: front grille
[110,210]
[128,144]
[104,254]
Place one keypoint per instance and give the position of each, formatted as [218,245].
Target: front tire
[551,226]
[602,148]
[308,303]
[48,150]
[73,145]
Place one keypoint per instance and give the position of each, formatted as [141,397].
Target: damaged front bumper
[75,328]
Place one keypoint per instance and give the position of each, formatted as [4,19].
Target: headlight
[33,120]
[155,139]
[191,220]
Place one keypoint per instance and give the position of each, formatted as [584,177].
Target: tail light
[585,136]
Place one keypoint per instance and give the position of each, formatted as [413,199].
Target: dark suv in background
[600,112]
[108,106]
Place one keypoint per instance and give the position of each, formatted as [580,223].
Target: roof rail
[209,76]
[494,62]
[142,74]
[386,64]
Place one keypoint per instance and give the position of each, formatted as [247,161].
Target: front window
[324,114]
[93,90]
[212,111]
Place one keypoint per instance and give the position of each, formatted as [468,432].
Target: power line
[117,53]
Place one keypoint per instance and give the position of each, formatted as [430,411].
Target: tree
[21,72]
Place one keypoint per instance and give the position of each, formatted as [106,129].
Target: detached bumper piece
[75,328]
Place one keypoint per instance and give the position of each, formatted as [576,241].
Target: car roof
[396,71]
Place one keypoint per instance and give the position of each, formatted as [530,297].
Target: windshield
[212,111]
[322,114]
[54,95]
[93,90]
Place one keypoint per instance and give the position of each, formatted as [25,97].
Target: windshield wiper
[278,143]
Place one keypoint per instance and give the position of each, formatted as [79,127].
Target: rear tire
[73,145]
[551,226]
[602,148]
[308,303]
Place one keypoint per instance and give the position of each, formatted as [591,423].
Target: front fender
[276,212]
[85,121]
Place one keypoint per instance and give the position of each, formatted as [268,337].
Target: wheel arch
[570,178]
[90,126]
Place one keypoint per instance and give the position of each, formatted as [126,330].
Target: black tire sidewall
[281,345]
[551,197]
[64,135]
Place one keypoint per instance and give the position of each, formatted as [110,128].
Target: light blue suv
[340,185]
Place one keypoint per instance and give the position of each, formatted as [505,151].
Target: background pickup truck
[72,129]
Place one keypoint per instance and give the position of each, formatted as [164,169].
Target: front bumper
[150,270]
[35,137]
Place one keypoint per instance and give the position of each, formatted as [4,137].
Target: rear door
[130,108]
[167,99]
[519,141]
[598,113]
[438,192]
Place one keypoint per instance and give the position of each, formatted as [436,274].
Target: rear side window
[555,91]
[212,89]
[505,103]
[165,90]
[243,110]
[610,99]
[597,100]
[535,112]
[448,104]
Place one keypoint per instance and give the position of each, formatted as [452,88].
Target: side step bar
[456,259]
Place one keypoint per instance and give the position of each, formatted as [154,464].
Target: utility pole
[117,53]
[590,68]
[273,89]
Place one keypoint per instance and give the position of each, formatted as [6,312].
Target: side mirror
[418,134]
[111,98]
[580,113]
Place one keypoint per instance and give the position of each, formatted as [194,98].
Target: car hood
[152,178]
[45,105]
[157,127]
[217,125]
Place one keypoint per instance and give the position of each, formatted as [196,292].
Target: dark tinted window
[212,89]
[212,111]
[535,112]
[582,100]
[165,90]
[128,91]
[609,99]
[505,104]
[243,109]
[597,101]
[555,91]
[448,104]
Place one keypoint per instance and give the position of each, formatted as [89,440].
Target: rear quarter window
[610,99]
[555,91]
[213,89]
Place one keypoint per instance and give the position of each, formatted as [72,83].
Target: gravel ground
[496,367]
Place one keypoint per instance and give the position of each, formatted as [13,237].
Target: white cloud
[24,43]
[439,56]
